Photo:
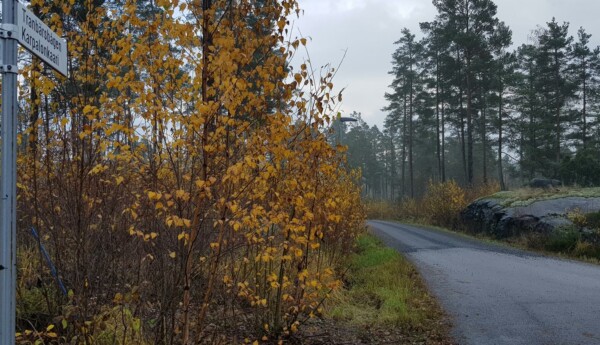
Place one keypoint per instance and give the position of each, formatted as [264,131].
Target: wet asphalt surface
[500,295]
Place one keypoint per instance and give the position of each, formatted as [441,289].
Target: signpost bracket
[9,69]
[8,31]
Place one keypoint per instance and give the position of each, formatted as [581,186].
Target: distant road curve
[499,295]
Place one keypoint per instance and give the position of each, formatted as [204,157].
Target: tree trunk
[443,138]
[483,134]
[404,141]
[410,125]
[500,168]
[469,124]
[557,110]
[197,222]
[584,109]
[437,114]
[392,166]
[461,118]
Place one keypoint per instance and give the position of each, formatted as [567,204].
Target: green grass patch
[383,289]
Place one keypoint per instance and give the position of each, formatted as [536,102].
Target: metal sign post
[8,185]
[18,24]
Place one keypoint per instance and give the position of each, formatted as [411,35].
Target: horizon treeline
[465,105]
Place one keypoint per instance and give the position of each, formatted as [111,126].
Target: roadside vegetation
[580,240]
[180,180]
[442,203]
[385,301]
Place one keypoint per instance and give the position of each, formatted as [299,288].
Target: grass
[384,290]
[526,196]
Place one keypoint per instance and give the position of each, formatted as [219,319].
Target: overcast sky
[367,30]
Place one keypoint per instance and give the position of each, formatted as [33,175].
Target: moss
[527,196]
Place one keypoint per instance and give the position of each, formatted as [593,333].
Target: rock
[542,216]
[544,183]
[548,224]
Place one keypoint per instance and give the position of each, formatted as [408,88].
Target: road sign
[40,40]
[18,24]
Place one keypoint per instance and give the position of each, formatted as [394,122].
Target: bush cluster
[180,179]
[442,203]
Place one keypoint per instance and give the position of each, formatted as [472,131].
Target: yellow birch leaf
[154,195]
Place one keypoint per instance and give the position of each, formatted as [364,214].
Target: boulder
[544,183]
[492,216]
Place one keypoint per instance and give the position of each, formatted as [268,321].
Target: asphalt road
[500,295]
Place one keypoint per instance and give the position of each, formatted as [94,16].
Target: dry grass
[526,196]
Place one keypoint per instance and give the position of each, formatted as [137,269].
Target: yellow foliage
[184,155]
[442,203]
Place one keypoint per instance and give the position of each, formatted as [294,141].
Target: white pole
[8,189]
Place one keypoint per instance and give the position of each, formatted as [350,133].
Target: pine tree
[436,52]
[502,76]
[585,62]
[406,85]
[557,87]
[469,25]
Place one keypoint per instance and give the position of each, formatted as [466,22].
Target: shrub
[482,190]
[441,205]
[409,209]
[204,177]
[379,209]
[578,218]
[563,240]
[534,240]
[443,202]
[593,220]
[586,250]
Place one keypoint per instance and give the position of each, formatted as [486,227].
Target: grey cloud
[367,29]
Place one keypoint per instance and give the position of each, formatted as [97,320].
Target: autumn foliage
[180,177]
[440,205]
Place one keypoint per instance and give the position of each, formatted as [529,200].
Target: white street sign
[18,25]
[37,37]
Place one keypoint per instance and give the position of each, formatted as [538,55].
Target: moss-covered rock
[504,217]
